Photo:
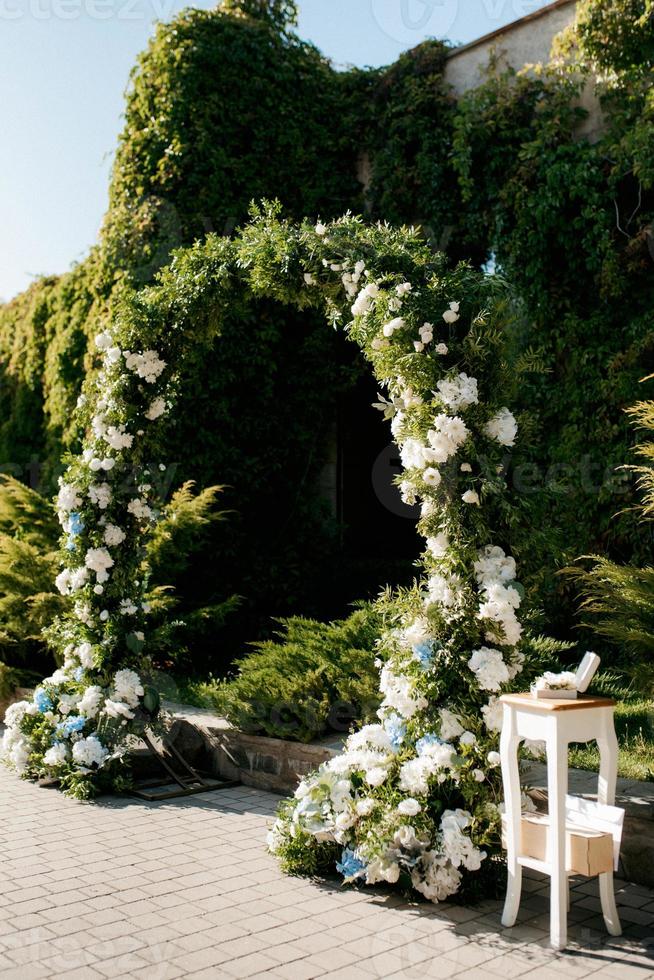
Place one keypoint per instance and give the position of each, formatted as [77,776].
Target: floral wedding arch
[414,797]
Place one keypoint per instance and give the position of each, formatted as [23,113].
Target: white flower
[502,427]
[382,868]
[15,749]
[468,738]
[435,877]
[100,495]
[117,709]
[446,437]
[67,702]
[465,468]
[118,438]
[441,349]
[438,545]
[451,726]
[103,340]
[156,409]
[493,759]
[471,497]
[392,326]
[321,229]
[90,702]
[489,668]
[86,656]
[566,681]
[365,300]
[365,806]
[15,713]
[443,590]
[409,807]
[478,775]
[459,392]
[147,365]
[68,498]
[493,713]
[113,535]
[106,464]
[403,288]
[426,333]
[139,509]
[451,315]
[432,477]
[89,752]
[57,755]
[99,560]
[128,687]
[400,694]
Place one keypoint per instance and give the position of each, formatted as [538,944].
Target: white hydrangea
[493,713]
[68,498]
[57,755]
[502,427]
[139,509]
[459,392]
[489,668]
[15,749]
[99,560]
[435,877]
[128,687]
[117,709]
[451,726]
[88,752]
[156,409]
[113,535]
[100,495]
[90,702]
[443,590]
[118,438]
[15,713]
[147,365]
[400,694]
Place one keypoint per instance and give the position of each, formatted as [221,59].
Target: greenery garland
[415,795]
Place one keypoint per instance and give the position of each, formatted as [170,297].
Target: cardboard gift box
[590,850]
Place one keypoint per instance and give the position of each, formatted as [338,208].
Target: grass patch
[634,724]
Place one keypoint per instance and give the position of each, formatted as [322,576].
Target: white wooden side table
[557,722]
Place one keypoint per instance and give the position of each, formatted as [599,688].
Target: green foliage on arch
[505,170]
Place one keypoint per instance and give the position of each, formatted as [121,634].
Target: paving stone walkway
[121,888]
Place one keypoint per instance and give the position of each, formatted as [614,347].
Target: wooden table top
[556,704]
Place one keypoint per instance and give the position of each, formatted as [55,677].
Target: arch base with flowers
[414,797]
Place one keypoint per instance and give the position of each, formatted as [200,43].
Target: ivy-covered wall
[229,105]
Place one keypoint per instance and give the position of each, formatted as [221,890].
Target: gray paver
[121,888]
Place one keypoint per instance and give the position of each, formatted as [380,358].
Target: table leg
[513,804]
[608,775]
[557,783]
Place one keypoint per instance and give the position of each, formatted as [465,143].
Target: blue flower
[427,740]
[42,700]
[350,866]
[75,528]
[75,524]
[395,729]
[75,723]
[424,652]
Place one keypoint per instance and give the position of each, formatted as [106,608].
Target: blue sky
[64,66]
